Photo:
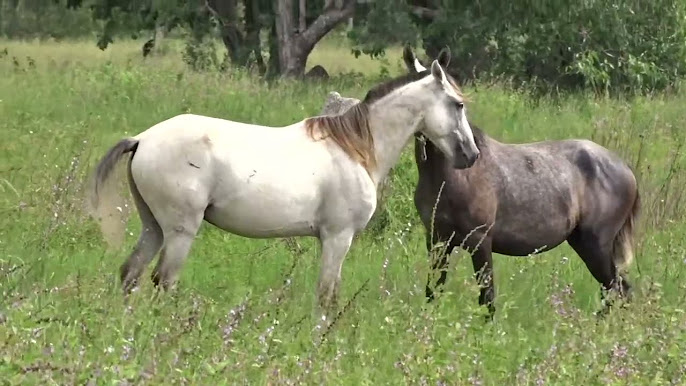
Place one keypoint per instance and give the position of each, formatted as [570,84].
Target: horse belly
[531,233]
[260,220]
[266,205]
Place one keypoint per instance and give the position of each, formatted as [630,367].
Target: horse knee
[328,293]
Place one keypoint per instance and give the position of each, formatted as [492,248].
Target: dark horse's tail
[104,199]
[623,245]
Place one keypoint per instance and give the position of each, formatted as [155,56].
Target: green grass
[233,320]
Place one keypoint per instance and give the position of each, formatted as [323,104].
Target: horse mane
[350,130]
[480,138]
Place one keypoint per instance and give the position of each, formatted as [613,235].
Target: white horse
[317,177]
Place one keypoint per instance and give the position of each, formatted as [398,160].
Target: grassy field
[244,309]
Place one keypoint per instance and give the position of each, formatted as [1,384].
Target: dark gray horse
[522,199]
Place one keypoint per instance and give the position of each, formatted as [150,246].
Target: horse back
[532,196]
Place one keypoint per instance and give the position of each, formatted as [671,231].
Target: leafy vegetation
[602,45]
[605,46]
[244,310]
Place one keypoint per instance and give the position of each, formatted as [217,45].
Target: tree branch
[225,11]
[425,13]
[330,17]
[302,16]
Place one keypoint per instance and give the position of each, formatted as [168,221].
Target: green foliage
[603,45]
[26,19]
[132,17]
[389,24]
[200,54]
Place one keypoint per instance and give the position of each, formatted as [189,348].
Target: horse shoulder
[349,193]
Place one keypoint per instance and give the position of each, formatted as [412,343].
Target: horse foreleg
[439,263]
[482,260]
[334,248]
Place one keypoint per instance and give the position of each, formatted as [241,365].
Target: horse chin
[462,162]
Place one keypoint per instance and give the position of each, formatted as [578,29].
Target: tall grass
[243,313]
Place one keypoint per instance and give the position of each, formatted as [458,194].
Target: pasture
[244,310]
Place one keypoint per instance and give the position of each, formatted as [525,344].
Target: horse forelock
[456,88]
[350,131]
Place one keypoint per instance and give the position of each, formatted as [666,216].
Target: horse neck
[392,122]
[428,157]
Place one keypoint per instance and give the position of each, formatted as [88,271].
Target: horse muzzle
[465,157]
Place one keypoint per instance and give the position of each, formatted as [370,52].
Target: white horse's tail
[106,204]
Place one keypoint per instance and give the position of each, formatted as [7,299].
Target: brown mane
[350,130]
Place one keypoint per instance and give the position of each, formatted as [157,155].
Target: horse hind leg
[149,243]
[597,252]
[178,239]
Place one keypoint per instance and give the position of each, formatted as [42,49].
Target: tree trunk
[286,38]
[294,47]
[302,16]
[252,34]
[238,46]
[274,66]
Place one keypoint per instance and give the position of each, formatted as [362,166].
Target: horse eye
[459,105]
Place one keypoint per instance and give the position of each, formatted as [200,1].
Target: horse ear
[444,57]
[411,61]
[409,58]
[418,66]
[437,71]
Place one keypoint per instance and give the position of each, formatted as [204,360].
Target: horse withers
[317,177]
[522,199]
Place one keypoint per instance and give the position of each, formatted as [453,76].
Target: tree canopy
[603,45]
